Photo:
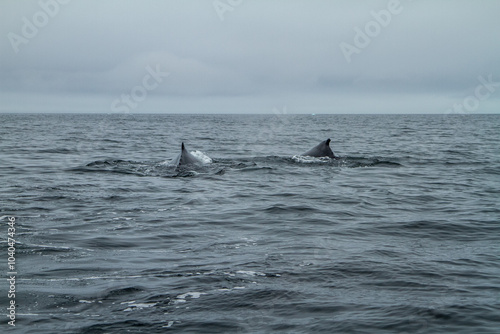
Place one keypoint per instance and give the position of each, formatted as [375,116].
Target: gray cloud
[262,54]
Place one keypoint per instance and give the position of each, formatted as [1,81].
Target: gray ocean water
[400,234]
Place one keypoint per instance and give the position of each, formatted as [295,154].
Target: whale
[186,158]
[321,150]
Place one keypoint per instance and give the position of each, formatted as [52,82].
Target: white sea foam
[83,301]
[133,305]
[202,157]
[250,273]
[193,295]
[169,324]
[309,160]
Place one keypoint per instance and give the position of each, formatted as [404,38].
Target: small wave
[125,167]
[56,150]
[184,173]
[278,208]
[349,162]
[356,162]
[46,249]
[133,305]
[440,230]
[109,162]
[112,294]
[108,243]
[309,160]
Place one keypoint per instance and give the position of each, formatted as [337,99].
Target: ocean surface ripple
[400,234]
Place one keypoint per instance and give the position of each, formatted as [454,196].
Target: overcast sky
[250,56]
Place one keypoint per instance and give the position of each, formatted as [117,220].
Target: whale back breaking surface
[187,158]
[321,150]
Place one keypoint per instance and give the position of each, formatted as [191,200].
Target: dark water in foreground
[399,235]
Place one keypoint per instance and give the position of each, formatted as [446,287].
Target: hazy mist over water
[400,234]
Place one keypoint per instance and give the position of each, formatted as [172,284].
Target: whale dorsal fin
[321,150]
